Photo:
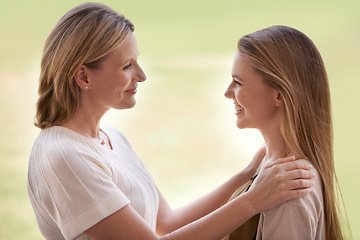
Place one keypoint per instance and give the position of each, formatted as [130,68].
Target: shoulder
[58,148]
[311,204]
[299,218]
[316,194]
[51,140]
[54,141]
[60,158]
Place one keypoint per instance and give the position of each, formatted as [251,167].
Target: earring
[86,87]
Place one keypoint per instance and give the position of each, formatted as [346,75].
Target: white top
[297,219]
[74,182]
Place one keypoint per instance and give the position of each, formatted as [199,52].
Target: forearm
[220,195]
[174,219]
[217,224]
[214,199]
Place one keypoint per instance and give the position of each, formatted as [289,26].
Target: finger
[300,173]
[297,193]
[298,164]
[300,184]
[281,161]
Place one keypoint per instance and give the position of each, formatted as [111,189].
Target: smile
[239,109]
[132,91]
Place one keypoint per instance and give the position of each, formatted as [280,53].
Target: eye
[127,66]
[237,82]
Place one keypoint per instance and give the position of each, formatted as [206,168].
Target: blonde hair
[84,35]
[290,62]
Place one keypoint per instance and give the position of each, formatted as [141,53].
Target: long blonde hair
[290,62]
[84,35]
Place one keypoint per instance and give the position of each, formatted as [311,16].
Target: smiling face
[257,105]
[114,84]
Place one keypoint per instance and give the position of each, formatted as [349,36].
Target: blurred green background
[183,128]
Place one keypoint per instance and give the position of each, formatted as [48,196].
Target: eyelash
[127,66]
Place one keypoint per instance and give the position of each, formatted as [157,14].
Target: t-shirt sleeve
[287,222]
[297,219]
[77,190]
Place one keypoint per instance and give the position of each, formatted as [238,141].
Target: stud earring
[86,87]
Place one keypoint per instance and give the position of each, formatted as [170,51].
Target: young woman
[84,179]
[279,86]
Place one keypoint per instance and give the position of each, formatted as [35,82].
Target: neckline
[87,139]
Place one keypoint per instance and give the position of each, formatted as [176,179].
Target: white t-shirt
[74,182]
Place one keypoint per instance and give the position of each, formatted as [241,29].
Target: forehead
[242,66]
[244,71]
[241,62]
[127,50]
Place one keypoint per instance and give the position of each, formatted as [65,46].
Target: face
[114,84]
[257,105]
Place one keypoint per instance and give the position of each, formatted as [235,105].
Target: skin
[260,106]
[113,86]
[250,92]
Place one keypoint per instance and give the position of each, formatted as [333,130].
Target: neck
[85,121]
[275,145]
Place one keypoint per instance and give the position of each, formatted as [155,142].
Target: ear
[278,100]
[81,77]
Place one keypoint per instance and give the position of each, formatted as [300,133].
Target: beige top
[297,219]
[247,231]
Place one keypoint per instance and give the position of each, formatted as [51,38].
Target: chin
[128,105]
[240,125]
[244,126]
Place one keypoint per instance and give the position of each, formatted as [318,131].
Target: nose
[229,93]
[140,75]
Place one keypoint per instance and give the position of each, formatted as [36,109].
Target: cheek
[242,97]
[124,79]
[120,83]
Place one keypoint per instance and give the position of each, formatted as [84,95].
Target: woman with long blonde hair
[280,87]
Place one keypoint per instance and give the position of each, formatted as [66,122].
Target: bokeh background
[183,127]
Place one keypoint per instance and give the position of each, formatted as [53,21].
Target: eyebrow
[237,77]
[128,60]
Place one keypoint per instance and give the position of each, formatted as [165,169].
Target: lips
[132,91]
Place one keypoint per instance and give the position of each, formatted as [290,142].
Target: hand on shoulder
[279,181]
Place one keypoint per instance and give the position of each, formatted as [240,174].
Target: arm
[275,184]
[169,220]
